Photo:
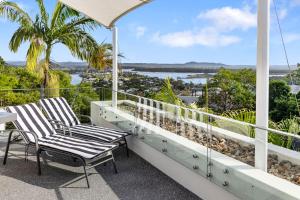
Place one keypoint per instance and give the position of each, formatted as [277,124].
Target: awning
[105,12]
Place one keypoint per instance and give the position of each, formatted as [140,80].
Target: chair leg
[114,164]
[26,152]
[7,147]
[126,145]
[38,152]
[85,173]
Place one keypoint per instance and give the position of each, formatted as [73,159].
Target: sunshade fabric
[105,12]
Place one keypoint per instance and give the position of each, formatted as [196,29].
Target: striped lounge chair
[58,110]
[37,132]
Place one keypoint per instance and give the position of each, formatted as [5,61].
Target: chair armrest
[36,140]
[87,117]
[60,125]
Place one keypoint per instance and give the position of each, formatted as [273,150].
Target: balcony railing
[215,147]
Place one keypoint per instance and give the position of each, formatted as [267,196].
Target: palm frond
[83,23]
[101,57]
[61,13]
[242,115]
[21,35]
[36,48]
[79,42]
[43,12]
[167,94]
[13,12]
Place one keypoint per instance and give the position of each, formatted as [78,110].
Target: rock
[286,164]
[250,158]
[214,139]
[280,169]
[237,152]
[297,168]
[273,156]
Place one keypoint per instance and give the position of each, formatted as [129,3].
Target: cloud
[206,37]
[222,22]
[228,18]
[291,37]
[282,13]
[140,31]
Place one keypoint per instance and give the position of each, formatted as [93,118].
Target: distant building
[188,100]
[295,89]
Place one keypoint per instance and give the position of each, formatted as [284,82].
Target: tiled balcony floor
[136,179]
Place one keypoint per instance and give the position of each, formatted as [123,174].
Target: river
[76,79]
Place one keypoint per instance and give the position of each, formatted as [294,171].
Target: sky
[177,31]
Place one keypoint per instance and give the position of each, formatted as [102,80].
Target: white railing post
[201,117]
[139,105]
[115,67]
[186,120]
[157,113]
[151,110]
[186,114]
[193,115]
[163,113]
[262,84]
[145,109]
[178,118]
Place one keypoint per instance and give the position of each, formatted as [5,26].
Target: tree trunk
[45,85]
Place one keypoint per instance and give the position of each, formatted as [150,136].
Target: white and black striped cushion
[84,148]
[30,118]
[96,133]
[59,109]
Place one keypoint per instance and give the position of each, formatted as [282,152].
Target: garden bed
[244,153]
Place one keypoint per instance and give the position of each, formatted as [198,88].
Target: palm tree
[166,94]
[101,57]
[65,26]
[2,61]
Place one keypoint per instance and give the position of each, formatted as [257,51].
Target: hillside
[197,67]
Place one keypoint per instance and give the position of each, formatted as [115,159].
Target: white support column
[262,84]
[115,67]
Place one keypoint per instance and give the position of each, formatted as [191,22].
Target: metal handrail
[38,89]
[222,118]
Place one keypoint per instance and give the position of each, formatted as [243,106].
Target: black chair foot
[7,148]
[115,166]
[38,152]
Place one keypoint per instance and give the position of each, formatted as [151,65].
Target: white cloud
[206,37]
[291,37]
[140,31]
[282,13]
[222,22]
[228,18]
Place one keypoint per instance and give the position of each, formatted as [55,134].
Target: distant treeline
[192,70]
[191,67]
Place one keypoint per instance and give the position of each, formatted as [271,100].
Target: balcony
[59,181]
[210,156]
